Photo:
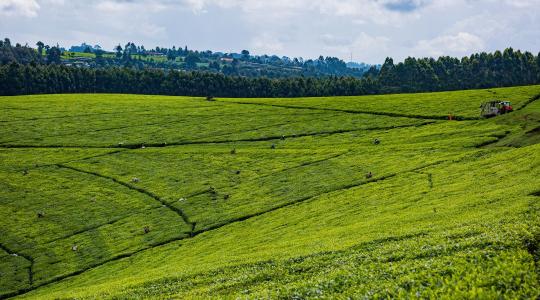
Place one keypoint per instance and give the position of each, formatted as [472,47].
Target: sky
[369,30]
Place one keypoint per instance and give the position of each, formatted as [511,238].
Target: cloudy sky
[369,29]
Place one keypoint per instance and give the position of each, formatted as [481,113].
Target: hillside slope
[129,196]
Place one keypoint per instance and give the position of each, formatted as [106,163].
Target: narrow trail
[93,114]
[496,140]
[256,139]
[305,164]
[26,257]
[22,146]
[157,123]
[91,228]
[70,116]
[272,137]
[178,211]
[530,101]
[354,111]
[81,271]
[198,139]
[37,166]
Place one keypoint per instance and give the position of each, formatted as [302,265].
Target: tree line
[481,70]
[19,79]
[27,75]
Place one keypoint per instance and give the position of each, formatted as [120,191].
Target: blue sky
[369,29]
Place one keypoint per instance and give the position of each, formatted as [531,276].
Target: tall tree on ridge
[118,50]
[40,46]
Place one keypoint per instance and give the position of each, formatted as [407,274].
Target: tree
[54,55]
[387,72]
[214,66]
[171,55]
[118,50]
[99,57]
[40,46]
[131,48]
[245,54]
[191,61]
[143,51]
[372,72]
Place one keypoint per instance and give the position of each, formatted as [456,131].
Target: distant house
[154,53]
[227,59]
[77,64]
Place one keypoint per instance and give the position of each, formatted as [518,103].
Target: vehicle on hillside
[494,108]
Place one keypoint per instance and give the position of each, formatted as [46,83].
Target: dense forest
[24,70]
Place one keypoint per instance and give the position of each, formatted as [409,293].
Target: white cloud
[26,8]
[152,30]
[363,47]
[370,29]
[112,6]
[378,11]
[485,25]
[462,43]
[115,6]
[266,43]
[54,2]
[329,39]
[524,3]
[197,6]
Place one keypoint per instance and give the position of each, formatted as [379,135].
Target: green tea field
[108,196]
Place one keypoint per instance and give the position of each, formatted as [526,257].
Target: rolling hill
[134,196]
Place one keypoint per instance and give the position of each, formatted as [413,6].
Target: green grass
[74,55]
[180,120]
[69,55]
[463,104]
[263,200]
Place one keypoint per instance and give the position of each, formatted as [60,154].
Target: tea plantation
[132,196]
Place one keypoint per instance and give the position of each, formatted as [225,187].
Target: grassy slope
[178,120]
[441,104]
[301,219]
